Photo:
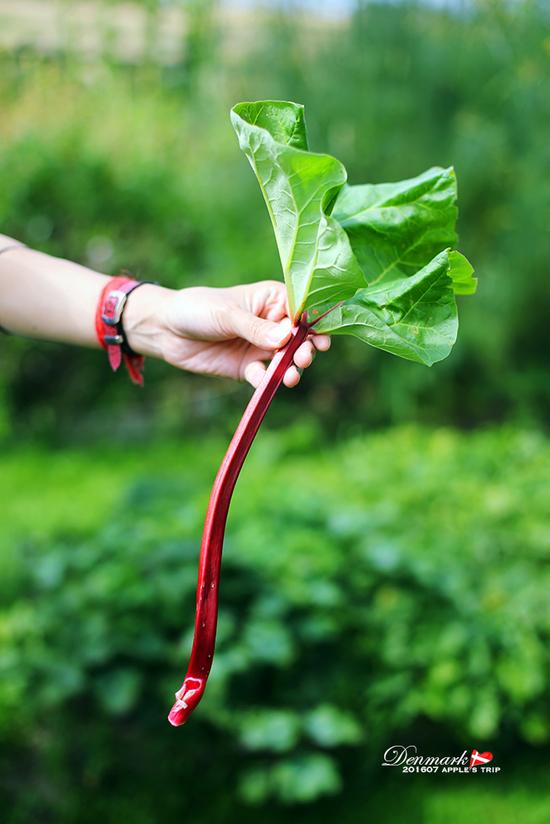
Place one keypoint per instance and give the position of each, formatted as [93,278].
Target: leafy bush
[388,587]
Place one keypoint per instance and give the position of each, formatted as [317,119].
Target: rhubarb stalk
[206,618]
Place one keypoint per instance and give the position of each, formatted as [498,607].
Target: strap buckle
[109,328]
[113,306]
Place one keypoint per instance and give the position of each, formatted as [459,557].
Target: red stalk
[206,618]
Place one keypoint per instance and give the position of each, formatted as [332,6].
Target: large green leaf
[299,188]
[377,258]
[397,228]
[413,317]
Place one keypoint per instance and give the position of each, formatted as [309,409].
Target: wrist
[144,319]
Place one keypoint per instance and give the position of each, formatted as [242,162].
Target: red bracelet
[109,329]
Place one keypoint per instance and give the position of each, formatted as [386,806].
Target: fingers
[265,334]
[303,357]
[255,370]
[292,377]
[254,373]
[321,342]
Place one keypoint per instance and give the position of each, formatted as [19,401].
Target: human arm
[228,332]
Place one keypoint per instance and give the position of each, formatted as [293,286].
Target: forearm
[46,297]
[53,299]
[228,332]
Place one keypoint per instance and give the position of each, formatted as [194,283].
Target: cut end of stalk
[187,698]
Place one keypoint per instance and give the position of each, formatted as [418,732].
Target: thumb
[265,334]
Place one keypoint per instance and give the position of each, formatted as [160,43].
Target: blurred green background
[386,568]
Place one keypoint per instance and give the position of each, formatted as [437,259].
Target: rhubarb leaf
[395,229]
[377,259]
[299,188]
[414,317]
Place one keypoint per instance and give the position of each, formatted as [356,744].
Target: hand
[228,332]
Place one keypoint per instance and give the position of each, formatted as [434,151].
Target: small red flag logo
[478,758]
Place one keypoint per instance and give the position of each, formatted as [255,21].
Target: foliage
[387,588]
[369,261]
